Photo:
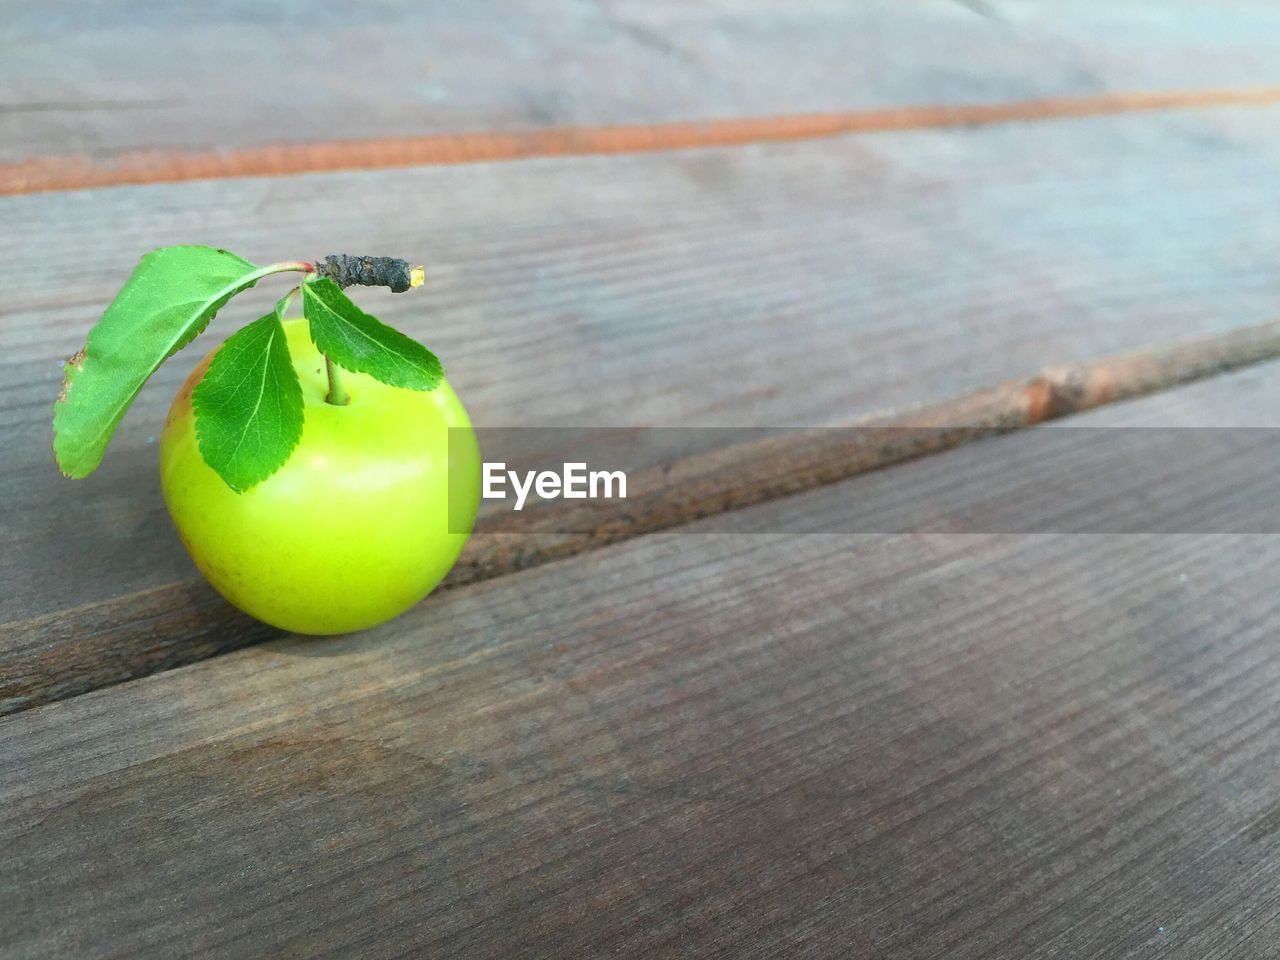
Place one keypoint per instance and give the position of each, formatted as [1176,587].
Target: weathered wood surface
[702,744]
[100,82]
[762,286]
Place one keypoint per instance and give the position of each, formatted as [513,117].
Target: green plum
[356,527]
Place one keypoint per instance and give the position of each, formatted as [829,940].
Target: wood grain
[703,743]
[100,81]
[283,159]
[763,286]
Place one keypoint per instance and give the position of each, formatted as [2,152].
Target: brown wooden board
[715,743]
[764,286]
[101,81]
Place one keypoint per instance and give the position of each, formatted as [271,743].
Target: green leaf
[170,298]
[248,405]
[356,341]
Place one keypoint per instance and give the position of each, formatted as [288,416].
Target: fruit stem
[337,394]
[302,266]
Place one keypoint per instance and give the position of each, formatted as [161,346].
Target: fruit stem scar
[337,394]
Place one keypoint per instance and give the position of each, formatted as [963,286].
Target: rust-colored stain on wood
[167,166]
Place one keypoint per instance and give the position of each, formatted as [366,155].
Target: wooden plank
[66,653]
[101,82]
[757,287]
[704,744]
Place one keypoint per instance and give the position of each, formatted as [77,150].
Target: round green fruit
[356,527]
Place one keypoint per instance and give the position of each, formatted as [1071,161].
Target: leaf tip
[67,466]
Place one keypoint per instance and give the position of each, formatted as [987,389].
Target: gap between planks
[74,651]
[69,172]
